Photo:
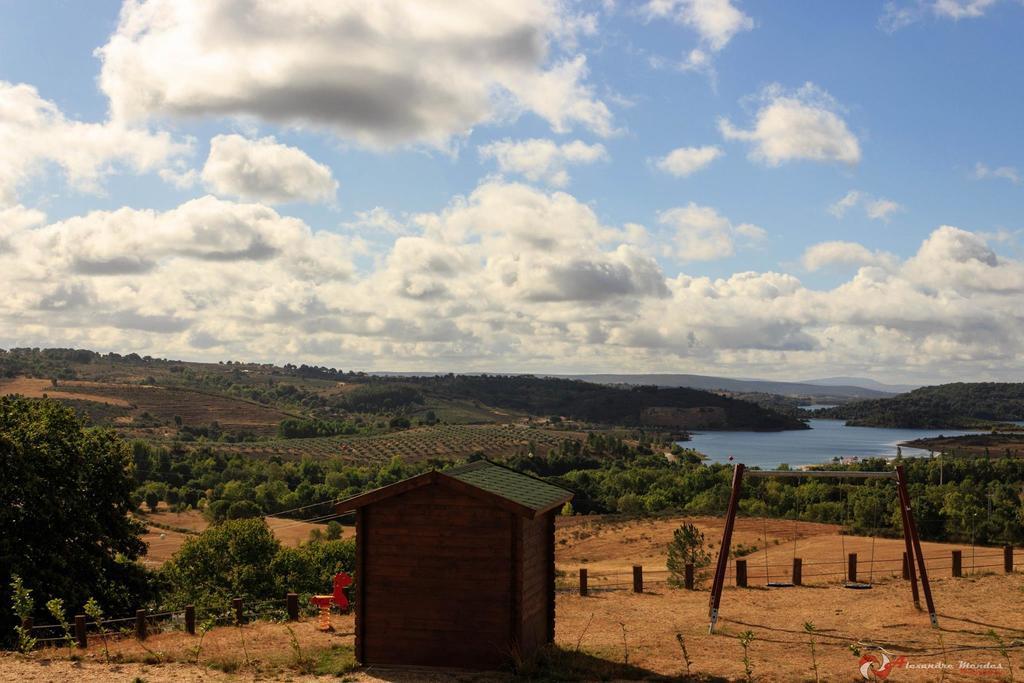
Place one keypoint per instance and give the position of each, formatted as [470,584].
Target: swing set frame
[910,535]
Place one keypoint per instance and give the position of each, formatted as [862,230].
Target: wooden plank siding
[534,612]
[436,579]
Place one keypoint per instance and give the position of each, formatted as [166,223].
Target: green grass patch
[336,661]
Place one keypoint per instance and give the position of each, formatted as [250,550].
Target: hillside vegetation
[160,399]
[946,406]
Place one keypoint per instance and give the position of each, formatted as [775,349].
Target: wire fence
[754,572]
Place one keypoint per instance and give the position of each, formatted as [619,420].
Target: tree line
[69,508]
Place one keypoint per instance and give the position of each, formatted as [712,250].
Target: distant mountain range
[864,382]
[825,388]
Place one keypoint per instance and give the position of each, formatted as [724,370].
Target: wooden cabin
[455,568]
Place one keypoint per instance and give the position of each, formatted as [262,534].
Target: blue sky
[910,110]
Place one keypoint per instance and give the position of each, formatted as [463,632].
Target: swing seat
[857,585]
[780,584]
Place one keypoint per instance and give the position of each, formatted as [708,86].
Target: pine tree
[687,547]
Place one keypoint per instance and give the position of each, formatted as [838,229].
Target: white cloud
[875,208]
[685,161]
[840,253]
[799,125]
[266,171]
[509,277]
[962,9]
[702,234]
[34,133]
[902,13]
[539,159]
[1009,173]
[377,220]
[881,209]
[715,21]
[848,201]
[382,72]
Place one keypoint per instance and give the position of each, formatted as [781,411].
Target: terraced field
[441,441]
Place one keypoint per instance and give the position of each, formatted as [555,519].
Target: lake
[825,440]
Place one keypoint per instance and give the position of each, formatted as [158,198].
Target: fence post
[190,619]
[236,604]
[798,571]
[292,600]
[638,579]
[583,580]
[957,564]
[851,568]
[688,577]
[140,624]
[741,573]
[80,635]
[906,567]
[1008,559]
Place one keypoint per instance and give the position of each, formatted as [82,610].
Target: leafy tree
[311,567]
[64,507]
[244,509]
[687,547]
[152,498]
[227,560]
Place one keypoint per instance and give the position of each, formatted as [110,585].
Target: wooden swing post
[901,484]
[723,550]
[910,537]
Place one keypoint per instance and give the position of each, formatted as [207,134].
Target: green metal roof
[501,481]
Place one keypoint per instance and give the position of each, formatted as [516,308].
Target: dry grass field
[163,404]
[42,388]
[163,542]
[978,614]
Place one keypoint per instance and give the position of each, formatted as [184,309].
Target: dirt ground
[978,615]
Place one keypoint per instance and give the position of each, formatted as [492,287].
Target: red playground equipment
[324,602]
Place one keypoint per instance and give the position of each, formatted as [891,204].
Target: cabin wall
[537,602]
[436,580]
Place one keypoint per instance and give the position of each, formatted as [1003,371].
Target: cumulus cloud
[685,161]
[35,133]
[1008,173]
[804,124]
[266,171]
[840,253]
[542,160]
[702,234]
[875,208]
[379,72]
[508,277]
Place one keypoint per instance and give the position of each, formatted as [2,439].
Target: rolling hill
[820,393]
[157,398]
[946,406]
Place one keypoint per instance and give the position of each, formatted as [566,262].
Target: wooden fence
[145,623]
[743,572]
